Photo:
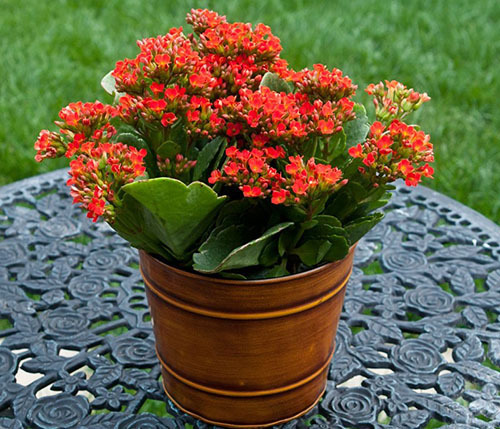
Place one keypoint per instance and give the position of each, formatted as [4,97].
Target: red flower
[157,88]
[231,151]
[356,151]
[193,115]
[163,60]
[233,129]
[377,129]
[427,171]
[231,168]
[369,160]
[168,119]
[256,164]
[156,105]
[412,179]
[279,197]
[215,176]
[326,127]
[251,191]
[300,187]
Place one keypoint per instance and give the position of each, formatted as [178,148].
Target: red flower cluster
[252,172]
[49,145]
[203,19]
[164,59]
[271,117]
[396,151]
[322,83]
[225,58]
[101,168]
[82,124]
[99,173]
[86,118]
[307,182]
[396,101]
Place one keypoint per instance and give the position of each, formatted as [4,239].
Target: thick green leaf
[168,150]
[233,276]
[356,229]
[274,82]
[293,213]
[345,200]
[286,240]
[108,83]
[207,155]
[322,231]
[140,227]
[312,251]
[338,250]
[219,245]
[269,273]
[184,211]
[328,220]
[338,145]
[225,252]
[234,210]
[357,129]
[269,255]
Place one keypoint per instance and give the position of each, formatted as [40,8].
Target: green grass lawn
[54,52]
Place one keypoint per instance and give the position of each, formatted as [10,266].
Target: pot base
[243,426]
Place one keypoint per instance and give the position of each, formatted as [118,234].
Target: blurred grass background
[55,52]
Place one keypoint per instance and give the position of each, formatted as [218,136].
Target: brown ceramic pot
[242,353]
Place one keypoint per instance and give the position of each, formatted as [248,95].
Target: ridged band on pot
[245,353]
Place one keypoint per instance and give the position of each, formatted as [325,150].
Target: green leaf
[286,240]
[328,220]
[356,229]
[309,224]
[108,83]
[322,231]
[184,211]
[233,276]
[338,250]
[206,156]
[275,83]
[293,213]
[357,129]
[311,148]
[226,251]
[338,142]
[269,273]
[168,150]
[234,210]
[312,251]
[269,255]
[140,227]
[346,200]
[177,133]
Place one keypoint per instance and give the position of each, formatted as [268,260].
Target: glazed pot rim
[257,282]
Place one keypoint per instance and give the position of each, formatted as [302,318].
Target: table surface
[418,344]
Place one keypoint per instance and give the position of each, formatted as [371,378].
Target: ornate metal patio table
[418,344]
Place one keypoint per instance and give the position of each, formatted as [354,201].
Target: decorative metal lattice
[418,343]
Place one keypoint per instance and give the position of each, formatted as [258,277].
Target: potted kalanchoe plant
[246,185]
